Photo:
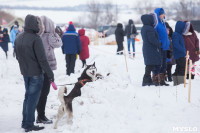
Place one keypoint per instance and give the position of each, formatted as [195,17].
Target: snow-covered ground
[116,104]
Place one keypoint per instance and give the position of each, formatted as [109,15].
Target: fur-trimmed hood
[48,25]
[41,26]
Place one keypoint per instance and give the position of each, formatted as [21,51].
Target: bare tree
[186,10]
[94,16]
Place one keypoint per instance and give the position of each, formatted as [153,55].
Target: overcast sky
[60,3]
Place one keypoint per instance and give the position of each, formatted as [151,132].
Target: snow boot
[162,79]
[43,120]
[175,80]
[155,80]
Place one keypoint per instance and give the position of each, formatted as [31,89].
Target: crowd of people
[34,50]
[163,48]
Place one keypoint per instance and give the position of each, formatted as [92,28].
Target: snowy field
[116,104]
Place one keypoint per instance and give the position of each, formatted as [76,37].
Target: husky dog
[89,74]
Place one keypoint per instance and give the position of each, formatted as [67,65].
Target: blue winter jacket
[178,44]
[13,35]
[71,41]
[162,31]
[151,45]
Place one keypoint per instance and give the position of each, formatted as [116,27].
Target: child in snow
[170,56]
[119,36]
[151,47]
[84,54]
[179,52]
[5,40]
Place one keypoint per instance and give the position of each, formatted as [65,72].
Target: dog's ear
[94,64]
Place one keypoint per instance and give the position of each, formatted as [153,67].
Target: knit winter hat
[161,12]
[70,22]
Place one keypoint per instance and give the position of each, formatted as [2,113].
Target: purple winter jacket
[50,41]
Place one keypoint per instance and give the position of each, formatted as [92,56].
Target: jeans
[43,97]
[161,68]
[129,40]
[33,87]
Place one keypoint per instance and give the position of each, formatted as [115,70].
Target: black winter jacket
[30,50]
[128,30]
[151,45]
[119,33]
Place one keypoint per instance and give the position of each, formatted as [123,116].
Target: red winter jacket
[192,44]
[84,54]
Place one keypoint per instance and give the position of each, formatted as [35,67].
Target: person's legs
[67,58]
[72,63]
[128,42]
[163,68]
[42,101]
[6,54]
[147,76]
[169,73]
[133,45]
[84,63]
[121,47]
[33,89]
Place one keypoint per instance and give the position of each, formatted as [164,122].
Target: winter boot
[180,80]
[43,120]
[187,76]
[155,80]
[162,79]
[175,80]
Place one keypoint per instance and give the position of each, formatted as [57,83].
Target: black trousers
[180,67]
[43,97]
[84,62]
[147,75]
[120,47]
[70,63]
[169,70]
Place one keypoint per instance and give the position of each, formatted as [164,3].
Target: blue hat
[161,12]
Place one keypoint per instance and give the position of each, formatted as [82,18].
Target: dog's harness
[83,81]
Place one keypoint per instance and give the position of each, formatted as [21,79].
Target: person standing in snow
[50,41]
[151,47]
[131,32]
[191,44]
[119,36]
[32,62]
[160,70]
[179,52]
[13,35]
[1,36]
[84,54]
[5,40]
[170,56]
[71,46]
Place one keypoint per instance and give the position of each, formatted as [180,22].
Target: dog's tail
[62,91]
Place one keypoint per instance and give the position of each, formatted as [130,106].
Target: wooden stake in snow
[186,67]
[125,59]
[189,92]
